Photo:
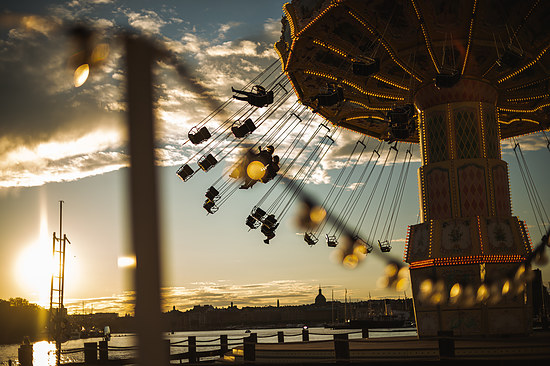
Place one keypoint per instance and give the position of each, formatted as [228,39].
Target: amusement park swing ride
[437,74]
[456,79]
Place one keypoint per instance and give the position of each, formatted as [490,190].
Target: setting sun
[33,270]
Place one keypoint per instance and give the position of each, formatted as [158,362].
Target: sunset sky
[58,142]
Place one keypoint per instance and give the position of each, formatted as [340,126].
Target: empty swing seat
[384,246]
[210,206]
[331,240]
[196,137]
[367,68]
[207,162]
[251,222]
[270,221]
[241,131]
[185,172]
[212,193]
[310,239]
[258,213]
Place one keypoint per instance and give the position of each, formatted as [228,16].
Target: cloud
[146,21]
[218,294]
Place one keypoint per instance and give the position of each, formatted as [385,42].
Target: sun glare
[33,271]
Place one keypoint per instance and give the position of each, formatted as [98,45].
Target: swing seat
[207,162]
[330,98]
[258,213]
[252,223]
[384,245]
[366,68]
[511,57]
[447,79]
[212,193]
[244,129]
[270,221]
[310,239]
[196,137]
[185,172]
[210,206]
[331,240]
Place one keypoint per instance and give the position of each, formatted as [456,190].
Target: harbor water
[44,352]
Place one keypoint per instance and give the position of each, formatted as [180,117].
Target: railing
[193,349]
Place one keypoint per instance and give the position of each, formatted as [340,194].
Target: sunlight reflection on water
[43,353]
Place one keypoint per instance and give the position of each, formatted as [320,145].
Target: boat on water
[382,321]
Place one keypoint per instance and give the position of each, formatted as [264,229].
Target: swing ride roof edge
[503,43]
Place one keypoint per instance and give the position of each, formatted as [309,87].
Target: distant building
[320,299]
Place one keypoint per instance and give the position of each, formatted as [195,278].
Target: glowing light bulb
[255,170]
[81,75]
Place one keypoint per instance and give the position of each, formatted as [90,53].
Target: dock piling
[341,347]
[249,347]
[24,354]
[192,344]
[365,333]
[224,345]
[90,352]
[305,335]
[103,351]
[281,336]
[446,344]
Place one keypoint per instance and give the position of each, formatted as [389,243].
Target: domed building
[320,298]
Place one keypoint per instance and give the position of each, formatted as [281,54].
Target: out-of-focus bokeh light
[127,261]
[81,75]
[317,215]
[506,288]
[350,261]
[255,170]
[426,287]
[455,293]
[402,284]
[100,53]
[482,293]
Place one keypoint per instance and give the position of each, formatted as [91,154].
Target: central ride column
[468,234]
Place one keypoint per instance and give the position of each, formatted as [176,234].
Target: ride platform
[407,350]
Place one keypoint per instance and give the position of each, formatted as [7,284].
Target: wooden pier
[409,350]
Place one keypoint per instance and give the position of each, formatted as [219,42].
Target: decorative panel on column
[472,190]
[467,133]
[437,136]
[439,193]
[501,190]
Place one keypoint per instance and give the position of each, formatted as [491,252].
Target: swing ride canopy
[501,42]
